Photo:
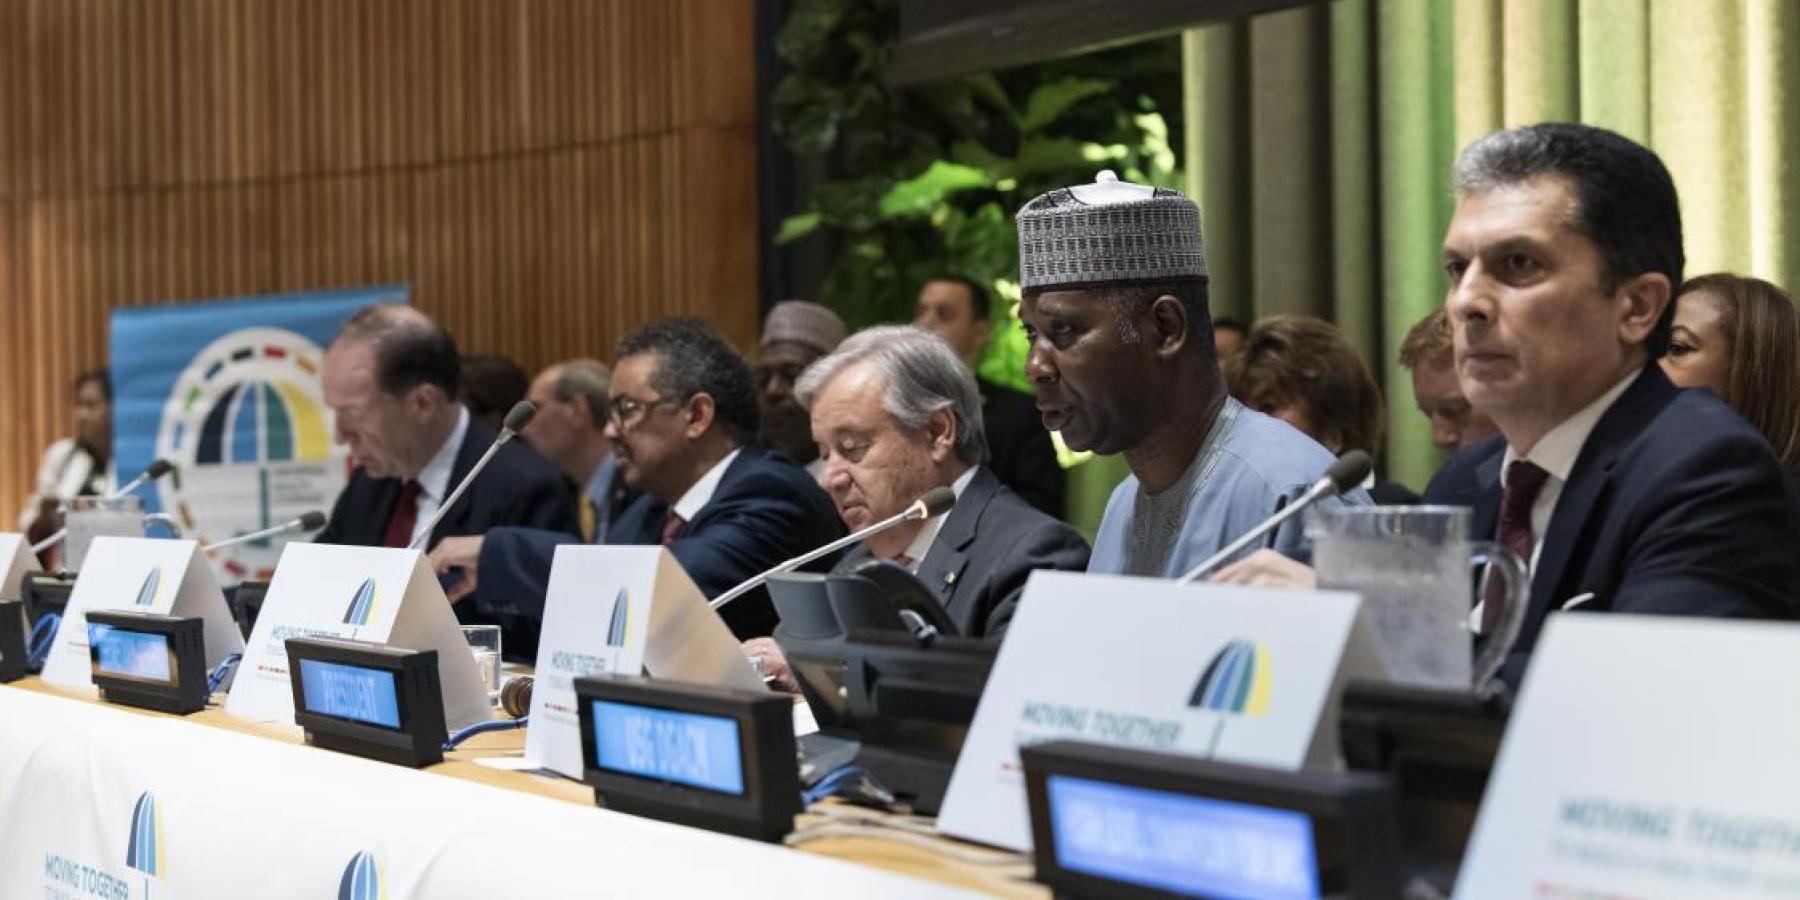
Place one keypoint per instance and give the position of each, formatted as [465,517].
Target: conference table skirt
[104,802]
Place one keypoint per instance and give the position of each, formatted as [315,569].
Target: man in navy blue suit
[392,378]
[682,413]
[1623,493]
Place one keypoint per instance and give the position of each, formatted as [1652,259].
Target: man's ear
[1168,326]
[422,400]
[700,410]
[1642,299]
[940,429]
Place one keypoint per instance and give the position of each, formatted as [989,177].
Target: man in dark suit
[392,378]
[1623,493]
[1019,449]
[682,411]
[896,414]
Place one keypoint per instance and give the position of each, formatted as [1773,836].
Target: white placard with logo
[384,595]
[620,610]
[15,561]
[1236,674]
[150,575]
[1647,756]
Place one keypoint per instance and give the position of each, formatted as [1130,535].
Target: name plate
[1647,756]
[1233,674]
[143,659]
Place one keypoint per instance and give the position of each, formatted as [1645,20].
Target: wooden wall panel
[545,173]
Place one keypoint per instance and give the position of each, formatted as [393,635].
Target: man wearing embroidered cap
[795,334]
[1122,361]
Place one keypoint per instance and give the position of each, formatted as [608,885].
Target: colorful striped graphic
[364,604]
[1236,681]
[145,852]
[257,421]
[621,620]
[362,879]
[147,594]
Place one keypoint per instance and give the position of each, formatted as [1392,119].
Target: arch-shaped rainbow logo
[153,581]
[362,879]
[259,421]
[146,850]
[363,604]
[1236,681]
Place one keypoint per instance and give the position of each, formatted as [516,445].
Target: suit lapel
[942,568]
[1589,478]
[466,455]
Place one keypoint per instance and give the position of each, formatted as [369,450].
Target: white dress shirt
[434,479]
[701,493]
[1556,453]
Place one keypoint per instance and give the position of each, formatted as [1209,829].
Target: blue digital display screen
[130,654]
[686,748]
[350,692]
[1173,842]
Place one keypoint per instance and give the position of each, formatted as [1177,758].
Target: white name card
[1647,756]
[620,610]
[15,561]
[150,575]
[384,595]
[1237,674]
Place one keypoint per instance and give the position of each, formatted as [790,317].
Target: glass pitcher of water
[1411,564]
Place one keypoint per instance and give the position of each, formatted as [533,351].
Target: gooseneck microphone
[1345,474]
[516,420]
[312,521]
[935,502]
[156,469]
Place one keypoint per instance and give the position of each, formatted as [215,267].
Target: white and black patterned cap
[1109,231]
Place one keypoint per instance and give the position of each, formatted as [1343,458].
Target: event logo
[621,620]
[145,852]
[248,430]
[1236,681]
[147,594]
[364,604]
[362,879]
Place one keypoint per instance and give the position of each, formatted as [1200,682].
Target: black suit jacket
[1019,449]
[990,543]
[766,510]
[1675,506]
[517,488]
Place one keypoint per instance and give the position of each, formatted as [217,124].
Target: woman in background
[1740,337]
[74,466]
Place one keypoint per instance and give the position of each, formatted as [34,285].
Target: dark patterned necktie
[405,516]
[1524,481]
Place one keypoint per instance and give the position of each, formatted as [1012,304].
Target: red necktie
[671,527]
[404,517]
[1524,481]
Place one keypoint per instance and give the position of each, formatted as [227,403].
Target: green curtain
[1320,141]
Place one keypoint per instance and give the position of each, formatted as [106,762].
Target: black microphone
[935,502]
[156,469]
[312,521]
[516,419]
[1343,475]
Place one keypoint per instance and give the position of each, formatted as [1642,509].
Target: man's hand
[457,553]
[774,664]
[1266,568]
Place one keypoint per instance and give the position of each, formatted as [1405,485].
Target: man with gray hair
[895,414]
[570,431]
[1122,361]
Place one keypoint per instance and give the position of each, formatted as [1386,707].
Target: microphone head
[519,416]
[937,501]
[1349,471]
[158,469]
[312,521]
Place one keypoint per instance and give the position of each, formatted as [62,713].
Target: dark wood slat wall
[546,173]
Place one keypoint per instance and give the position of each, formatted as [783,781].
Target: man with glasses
[682,417]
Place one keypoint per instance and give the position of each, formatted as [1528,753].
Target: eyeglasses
[625,411]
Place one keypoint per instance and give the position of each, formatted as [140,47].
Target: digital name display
[687,748]
[1179,843]
[130,654]
[350,692]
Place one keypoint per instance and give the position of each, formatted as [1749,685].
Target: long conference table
[102,802]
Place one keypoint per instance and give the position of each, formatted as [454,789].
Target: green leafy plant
[925,180]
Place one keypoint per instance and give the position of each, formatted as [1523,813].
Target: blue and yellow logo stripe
[1236,681]
[145,853]
[362,879]
[364,605]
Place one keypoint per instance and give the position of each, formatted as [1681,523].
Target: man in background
[1426,353]
[1020,452]
[569,430]
[794,334]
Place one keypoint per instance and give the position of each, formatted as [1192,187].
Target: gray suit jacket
[988,546]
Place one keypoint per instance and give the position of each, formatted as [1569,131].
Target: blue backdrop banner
[229,392]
